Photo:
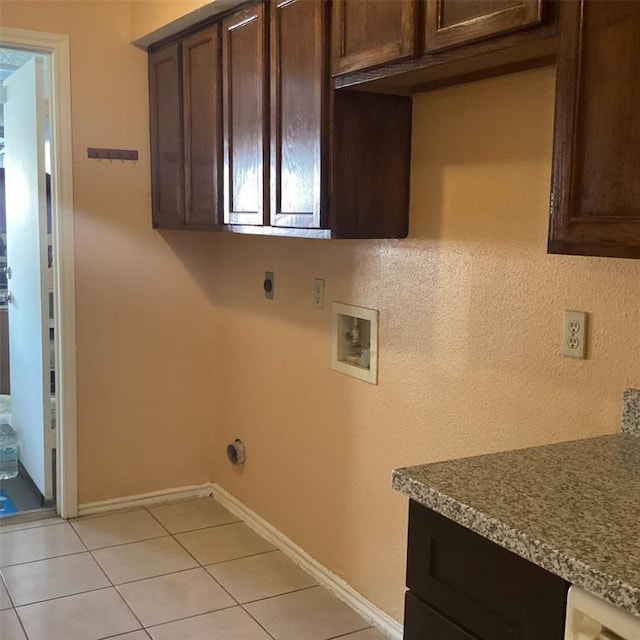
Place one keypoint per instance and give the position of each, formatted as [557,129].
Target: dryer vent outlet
[236,452]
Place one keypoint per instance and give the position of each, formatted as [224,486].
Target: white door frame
[57,46]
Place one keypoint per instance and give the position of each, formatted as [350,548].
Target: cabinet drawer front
[244,113]
[366,33]
[492,592]
[452,23]
[421,622]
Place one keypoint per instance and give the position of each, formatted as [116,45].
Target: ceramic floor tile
[175,596]
[261,576]
[7,526]
[192,514]
[10,628]
[46,579]
[119,528]
[134,635]
[87,616]
[230,624]
[367,634]
[39,543]
[5,602]
[312,614]
[143,559]
[227,542]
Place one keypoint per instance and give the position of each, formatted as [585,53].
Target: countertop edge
[541,554]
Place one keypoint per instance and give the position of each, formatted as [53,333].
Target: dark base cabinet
[465,587]
[421,622]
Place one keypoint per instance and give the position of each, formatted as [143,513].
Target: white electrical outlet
[318,293]
[574,334]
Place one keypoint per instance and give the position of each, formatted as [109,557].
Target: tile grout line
[66,595]
[346,635]
[61,555]
[13,605]
[64,555]
[220,585]
[277,595]
[115,588]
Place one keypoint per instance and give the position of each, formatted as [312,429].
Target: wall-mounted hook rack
[112,154]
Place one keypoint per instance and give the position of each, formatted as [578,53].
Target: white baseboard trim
[145,499]
[387,625]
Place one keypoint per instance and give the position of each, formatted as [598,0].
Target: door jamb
[57,45]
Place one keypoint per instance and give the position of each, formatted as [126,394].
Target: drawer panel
[490,591]
[421,622]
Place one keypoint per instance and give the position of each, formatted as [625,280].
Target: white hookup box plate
[354,343]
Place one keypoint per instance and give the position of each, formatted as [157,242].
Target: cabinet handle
[7,298]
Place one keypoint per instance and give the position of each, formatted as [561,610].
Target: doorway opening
[37,302]
[27,323]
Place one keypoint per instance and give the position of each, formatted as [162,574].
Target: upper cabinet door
[244,113]
[366,33]
[167,177]
[595,203]
[202,126]
[450,23]
[299,82]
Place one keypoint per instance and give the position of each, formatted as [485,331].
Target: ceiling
[12,59]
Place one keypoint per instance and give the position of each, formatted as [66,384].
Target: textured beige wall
[175,340]
[143,338]
[470,317]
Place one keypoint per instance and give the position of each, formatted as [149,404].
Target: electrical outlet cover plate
[268,285]
[357,358]
[574,334]
[318,293]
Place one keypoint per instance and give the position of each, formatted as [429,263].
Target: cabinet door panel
[371,32]
[595,207]
[166,137]
[298,98]
[456,22]
[202,139]
[245,164]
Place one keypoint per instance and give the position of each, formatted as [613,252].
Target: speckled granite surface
[572,508]
[631,412]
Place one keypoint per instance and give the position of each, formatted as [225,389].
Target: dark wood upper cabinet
[245,116]
[184,105]
[299,114]
[167,159]
[339,159]
[367,33]
[595,198]
[450,23]
[202,126]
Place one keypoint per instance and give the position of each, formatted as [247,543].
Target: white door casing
[26,207]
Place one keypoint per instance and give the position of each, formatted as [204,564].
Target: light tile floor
[182,571]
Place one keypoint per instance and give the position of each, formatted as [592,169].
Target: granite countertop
[572,508]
